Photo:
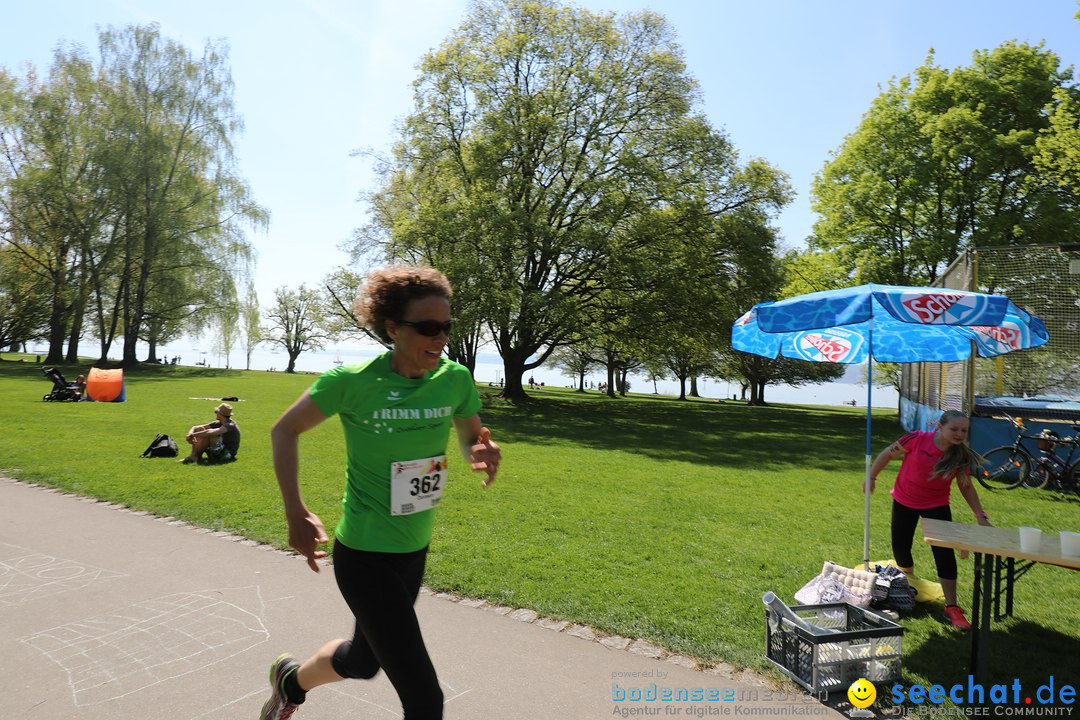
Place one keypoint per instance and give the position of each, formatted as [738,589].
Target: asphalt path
[111,614]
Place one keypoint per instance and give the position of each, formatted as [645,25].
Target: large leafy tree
[24,306]
[762,276]
[541,133]
[49,184]
[120,190]
[946,160]
[181,199]
[1059,146]
[297,322]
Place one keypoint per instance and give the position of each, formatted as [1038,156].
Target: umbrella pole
[869,405]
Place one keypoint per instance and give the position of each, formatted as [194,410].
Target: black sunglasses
[428,328]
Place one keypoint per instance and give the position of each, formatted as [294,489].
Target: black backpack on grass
[161,446]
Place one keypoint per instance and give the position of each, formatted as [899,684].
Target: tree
[762,275]
[886,374]
[340,290]
[540,134]
[655,371]
[573,362]
[686,357]
[250,323]
[810,271]
[23,301]
[227,321]
[1059,149]
[945,160]
[176,185]
[120,190]
[48,181]
[297,322]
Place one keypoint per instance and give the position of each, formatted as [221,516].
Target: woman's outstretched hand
[485,456]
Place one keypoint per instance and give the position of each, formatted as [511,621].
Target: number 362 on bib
[416,485]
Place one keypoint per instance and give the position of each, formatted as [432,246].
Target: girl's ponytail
[956,458]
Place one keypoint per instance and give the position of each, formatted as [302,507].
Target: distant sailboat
[337,360]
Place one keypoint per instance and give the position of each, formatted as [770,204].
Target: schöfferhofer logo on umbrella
[943,308]
[835,345]
[1007,337]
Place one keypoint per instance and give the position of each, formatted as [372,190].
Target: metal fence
[1045,281]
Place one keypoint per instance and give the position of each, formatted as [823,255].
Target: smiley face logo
[862,693]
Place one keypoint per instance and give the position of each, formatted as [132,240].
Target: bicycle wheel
[1072,478]
[1006,468]
[1039,477]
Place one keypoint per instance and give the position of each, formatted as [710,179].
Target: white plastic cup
[1030,539]
[1070,543]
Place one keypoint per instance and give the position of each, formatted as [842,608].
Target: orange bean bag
[105,385]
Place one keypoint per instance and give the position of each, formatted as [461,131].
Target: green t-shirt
[389,418]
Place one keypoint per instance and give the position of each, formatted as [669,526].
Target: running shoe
[955,615]
[278,706]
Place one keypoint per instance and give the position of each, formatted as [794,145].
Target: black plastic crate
[865,645]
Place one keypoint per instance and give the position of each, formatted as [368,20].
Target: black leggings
[904,520]
[380,589]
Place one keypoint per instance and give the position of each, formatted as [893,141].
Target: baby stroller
[62,390]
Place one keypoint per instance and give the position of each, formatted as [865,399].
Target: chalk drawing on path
[27,576]
[149,642]
[229,709]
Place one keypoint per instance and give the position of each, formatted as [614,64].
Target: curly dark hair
[386,293]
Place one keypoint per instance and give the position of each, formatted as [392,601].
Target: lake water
[489,368]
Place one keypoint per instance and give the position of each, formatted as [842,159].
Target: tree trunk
[57,328]
[514,369]
[108,336]
[513,389]
[757,393]
[465,350]
[581,381]
[77,318]
[682,387]
[151,341]
[150,242]
[693,387]
[611,379]
[132,331]
[622,382]
[292,361]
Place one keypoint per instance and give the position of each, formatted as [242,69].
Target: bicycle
[1050,469]
[1010,466]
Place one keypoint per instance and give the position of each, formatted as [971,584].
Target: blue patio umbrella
[890,324]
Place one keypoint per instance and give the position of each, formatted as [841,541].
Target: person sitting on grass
[220,439]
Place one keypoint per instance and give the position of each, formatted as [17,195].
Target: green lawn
[642,516]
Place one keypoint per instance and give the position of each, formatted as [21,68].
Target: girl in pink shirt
[931,461]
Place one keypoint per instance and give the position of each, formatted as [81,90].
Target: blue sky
[315,79]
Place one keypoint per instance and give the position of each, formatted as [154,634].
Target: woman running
[396,411]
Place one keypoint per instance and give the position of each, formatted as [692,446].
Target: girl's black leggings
[904,521]
[380,589]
